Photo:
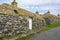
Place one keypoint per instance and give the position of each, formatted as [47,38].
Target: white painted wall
[30,23]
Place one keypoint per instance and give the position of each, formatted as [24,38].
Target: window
[16,11]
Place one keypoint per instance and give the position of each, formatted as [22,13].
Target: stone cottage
[15,20]
[49,18]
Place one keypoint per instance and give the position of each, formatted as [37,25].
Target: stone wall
[13,25]
[38,24]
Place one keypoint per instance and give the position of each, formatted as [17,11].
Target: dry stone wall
[13,25]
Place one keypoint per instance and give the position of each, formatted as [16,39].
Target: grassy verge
[47,27]
[27,37]
[10,37]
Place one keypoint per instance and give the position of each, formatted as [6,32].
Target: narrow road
[53,34]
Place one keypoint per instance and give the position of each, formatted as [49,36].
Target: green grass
[10,37]
[47,27]
[26,38]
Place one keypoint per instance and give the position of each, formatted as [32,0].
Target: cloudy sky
[38,5]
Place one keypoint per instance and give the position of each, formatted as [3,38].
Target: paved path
[53,34]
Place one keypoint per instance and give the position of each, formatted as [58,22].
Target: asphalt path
[53,34]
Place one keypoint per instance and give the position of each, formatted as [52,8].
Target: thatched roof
[49,15]
[21,12]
